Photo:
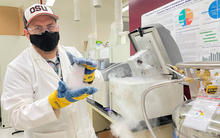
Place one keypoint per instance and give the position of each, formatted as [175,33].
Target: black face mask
[47,41]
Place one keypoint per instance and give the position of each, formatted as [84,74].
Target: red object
[186,91]
[41,1]
[139,7]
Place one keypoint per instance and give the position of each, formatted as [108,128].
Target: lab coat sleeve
[74,51]
[17,100]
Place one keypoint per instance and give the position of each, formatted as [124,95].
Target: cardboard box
[85,46]
[11,21]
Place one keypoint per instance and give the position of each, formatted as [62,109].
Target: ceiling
[59,4]
[18,3]
[25,3]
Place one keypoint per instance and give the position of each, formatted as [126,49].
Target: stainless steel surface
[199,65]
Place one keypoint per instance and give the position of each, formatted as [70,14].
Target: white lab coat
[29,80]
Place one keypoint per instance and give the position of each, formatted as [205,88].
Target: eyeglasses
[41,29]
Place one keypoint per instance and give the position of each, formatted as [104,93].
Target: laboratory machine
[198,117]
[126,81]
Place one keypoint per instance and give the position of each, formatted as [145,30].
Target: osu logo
[38,8]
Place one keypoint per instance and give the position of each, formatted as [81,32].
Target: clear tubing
[143,98]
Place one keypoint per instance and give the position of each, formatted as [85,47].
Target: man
[44,87]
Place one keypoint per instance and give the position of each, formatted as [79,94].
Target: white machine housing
[126,97]
[159,44]
[115,70]
[155,48]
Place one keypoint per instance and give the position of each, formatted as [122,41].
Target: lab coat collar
[44,66]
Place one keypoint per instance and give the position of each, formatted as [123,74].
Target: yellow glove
[63,96]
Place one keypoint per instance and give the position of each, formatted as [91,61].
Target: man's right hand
[63,96]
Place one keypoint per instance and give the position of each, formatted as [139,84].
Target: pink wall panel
[139,7]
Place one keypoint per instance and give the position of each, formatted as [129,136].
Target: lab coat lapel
[42,63]
[64,61]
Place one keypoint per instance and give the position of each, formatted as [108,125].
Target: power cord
[17,131]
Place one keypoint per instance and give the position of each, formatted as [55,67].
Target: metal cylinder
[76,10]
[97,3]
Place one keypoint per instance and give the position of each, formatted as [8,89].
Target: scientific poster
[194,24]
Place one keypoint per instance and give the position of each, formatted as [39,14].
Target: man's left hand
[90,67]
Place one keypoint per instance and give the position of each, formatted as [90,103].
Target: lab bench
[102,120]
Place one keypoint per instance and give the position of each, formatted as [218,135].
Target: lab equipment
[76,5]
[113,70]
[91,52]
[155,48]
[118,40]
[128,92]
[200,116]
[118,49]
[127,80]
[97,3]
[144,107]
[63,96]
[197,118]
[103,63]
[159,43]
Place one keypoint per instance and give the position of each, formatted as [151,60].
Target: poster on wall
[194,24]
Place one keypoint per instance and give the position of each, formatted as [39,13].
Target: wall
[11,46]
[139,7]
[75,33]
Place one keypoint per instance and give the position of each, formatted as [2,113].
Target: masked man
[44,89]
